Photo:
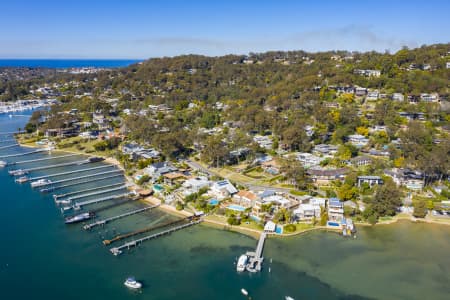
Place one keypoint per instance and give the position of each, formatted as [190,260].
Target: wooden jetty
[98,200]
[26,153]
[56,196]
[118,250]
[39,159]
[130,213]
[69,172]
[81,177]
[84,182]
[9,146]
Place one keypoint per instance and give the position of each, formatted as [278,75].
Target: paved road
[254,187]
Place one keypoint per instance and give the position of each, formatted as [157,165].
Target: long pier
[83,203]
[11,133]
[256,258]
[97,193]
[85,181]
[9,146]
[130,213]
[7,141]
[118,250]
[39,159]
[69,172]
[73,163]
[86,190]
[140,231]
[81,177]
[26,153]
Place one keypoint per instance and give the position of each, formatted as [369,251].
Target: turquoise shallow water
[42,258]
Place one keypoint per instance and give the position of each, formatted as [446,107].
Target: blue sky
[142,29]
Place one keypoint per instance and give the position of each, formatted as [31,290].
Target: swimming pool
[158,188]
[335,224]
[236,207]
[213,202]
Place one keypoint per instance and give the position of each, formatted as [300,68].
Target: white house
[335,210]
[308,160]
[372,95]
[193,185]
[223,189]
[371,180]
[398,97]
[429,97]
[358,140]
[307,211]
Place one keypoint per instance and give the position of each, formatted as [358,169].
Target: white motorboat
[3,163]
[288,298]
[244,292]
[132,283]
[40,182]
[242,263]
[22,179]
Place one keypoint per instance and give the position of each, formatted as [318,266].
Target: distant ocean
[68,63]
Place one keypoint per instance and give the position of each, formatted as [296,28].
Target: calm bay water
[67,63]
[42,258]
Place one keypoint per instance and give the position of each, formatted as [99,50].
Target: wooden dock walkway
[98,200]
[130,213]
[69,172]
[118,250]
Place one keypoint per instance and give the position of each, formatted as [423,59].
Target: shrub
[290,228]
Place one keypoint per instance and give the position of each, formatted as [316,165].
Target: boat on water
[132,283]
[40,182]
[21,179]
[288,298]
[79,218]
[18,172]
[95,159]
[64,201]
[242,263]
[244,292]
[3,163]
[47,190]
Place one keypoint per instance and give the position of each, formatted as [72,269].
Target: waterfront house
[335,210]
[307,211]
[371,180]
